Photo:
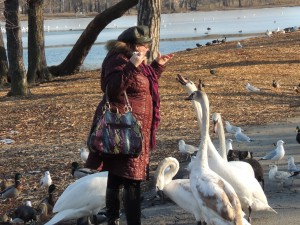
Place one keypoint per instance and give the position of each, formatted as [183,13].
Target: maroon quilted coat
[119,74]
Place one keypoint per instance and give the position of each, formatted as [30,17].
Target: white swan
[219,128]
[84,197]
[215,196]
[250,192]
[179,190]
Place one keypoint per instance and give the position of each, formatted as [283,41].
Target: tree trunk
[3,62]
[149,14]
[16,69]
[75,58]
[37,66]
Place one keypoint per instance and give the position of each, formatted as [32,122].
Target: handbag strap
[127,107]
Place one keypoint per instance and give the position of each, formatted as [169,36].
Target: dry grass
[53,123]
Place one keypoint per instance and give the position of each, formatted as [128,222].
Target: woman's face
[143,48]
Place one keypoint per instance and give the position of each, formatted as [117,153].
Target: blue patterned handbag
[116,134]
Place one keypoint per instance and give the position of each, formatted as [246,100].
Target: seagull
[268,33]
[276,176]
[241,137]
[275,84]
[231,128]
[292,167]
[228,145]
[84,153]
[251,88]
[46,180]
[239,45]
[275,154]
[186,148]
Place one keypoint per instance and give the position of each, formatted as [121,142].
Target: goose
[230,128]
[14,190]
[276,154]
[179,190]
[241,137]
[216,198]
[219,129]
[298,134]
[251,88]
[250,192]
[46,180]
[84,197]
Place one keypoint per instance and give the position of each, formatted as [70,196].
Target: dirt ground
[50,126]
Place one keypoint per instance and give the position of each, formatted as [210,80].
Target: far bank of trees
[86,7]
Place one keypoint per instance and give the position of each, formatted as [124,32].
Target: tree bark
[16,69]
[3,62]
[149,14]
[75,58]
[37,65]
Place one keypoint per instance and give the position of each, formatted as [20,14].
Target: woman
[124,69]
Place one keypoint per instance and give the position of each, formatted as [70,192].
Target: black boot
[132,205]
[113,201]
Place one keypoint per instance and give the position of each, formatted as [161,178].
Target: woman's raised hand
[163,59]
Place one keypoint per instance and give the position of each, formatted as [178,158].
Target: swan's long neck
[202,153]
[165,172]
[221,134]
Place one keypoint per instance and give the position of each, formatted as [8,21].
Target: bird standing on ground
[292,167]
[276,154]
[186,148]
[275,84]
[279,177]
[231,128]
[84,154]
[201,85]
[46,180]
[251,88]
[25,213]
[239,45]
[228,145]
[14,190]
[298,134]
[78,172]
[241,137]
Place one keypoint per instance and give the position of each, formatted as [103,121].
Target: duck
[276,154]
[5,183]
[78,172]
[90,192]
[298,134]
[217,199]
[275,84]
[241,137]
[179,190]
[251,88]
[46,180]
[250,192]
[201,85]
[14,190]
[230,128]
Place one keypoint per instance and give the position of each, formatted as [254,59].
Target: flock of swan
[215,183]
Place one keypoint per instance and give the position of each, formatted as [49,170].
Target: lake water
[60,35]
